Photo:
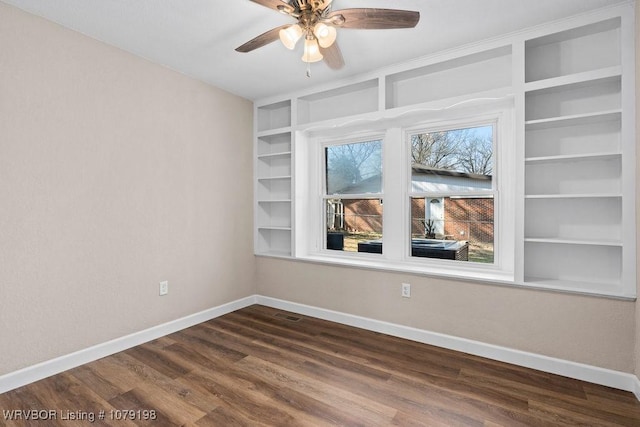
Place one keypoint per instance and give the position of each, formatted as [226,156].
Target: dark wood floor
[260,366]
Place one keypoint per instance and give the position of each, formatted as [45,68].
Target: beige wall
[115,174]
[596,331]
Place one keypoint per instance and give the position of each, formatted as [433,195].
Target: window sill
[444,269]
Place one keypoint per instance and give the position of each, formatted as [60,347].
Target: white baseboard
[636,387]
[593,374]
[51,367]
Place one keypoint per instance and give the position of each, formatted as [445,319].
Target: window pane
[354,168]
[354,225]
[452,161]
[457,228]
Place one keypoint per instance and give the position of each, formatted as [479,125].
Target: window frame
[310,218]
[493,192]
[324,196]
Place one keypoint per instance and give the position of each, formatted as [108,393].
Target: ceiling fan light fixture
[326,35]
[311,50]
[290,36]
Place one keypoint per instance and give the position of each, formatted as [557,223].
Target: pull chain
[309,69]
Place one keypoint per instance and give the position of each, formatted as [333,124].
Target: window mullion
[395,213]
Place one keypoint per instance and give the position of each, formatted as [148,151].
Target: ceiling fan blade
[333,56]
[278,5]
[373,18]
[262,40]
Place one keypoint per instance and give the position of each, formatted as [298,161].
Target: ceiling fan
[317,23]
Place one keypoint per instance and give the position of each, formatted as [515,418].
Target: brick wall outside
[473,217]
[363,215]
[417,217]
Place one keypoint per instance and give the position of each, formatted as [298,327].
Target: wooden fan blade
[333,56]
[279,5]
[262,40]
[371,19]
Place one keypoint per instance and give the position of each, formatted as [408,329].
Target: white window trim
[311,227]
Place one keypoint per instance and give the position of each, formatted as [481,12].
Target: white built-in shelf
[273,209]
[577,99]
[574,227]
[571,79]
[609,288]
[573,196]
[577,232]
[572,157]
[473,74]
[346,101]
[274,117]
[574,263]
[272,132]
[273,241]
[574,51]
[274,228]
[277,143]
[274,253]
[561,241]
[272,178]
[283,154]
[574,119]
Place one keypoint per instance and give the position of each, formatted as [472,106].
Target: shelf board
[275,131]
[272,155]
[573,120]
[572,196]
[570,79]
[274,227]
[570,157]
[566,241]
[272,178]
[275,201]
[276,254]
[600,288]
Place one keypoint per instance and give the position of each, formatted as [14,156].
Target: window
[452,194]
[353,196]
[419,193]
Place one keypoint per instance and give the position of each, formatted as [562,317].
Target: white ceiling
[198,37]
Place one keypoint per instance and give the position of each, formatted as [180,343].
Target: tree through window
[353,196]
[452,194]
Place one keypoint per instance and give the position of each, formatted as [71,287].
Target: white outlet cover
[406,290]
[164,287]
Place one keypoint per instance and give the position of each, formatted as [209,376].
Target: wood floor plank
[178,392]
[158,360]
[265,367]
[364,409]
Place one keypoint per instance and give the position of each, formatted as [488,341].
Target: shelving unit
[345,101]
[573,87]
[273,185]
[491,69]
[574,225]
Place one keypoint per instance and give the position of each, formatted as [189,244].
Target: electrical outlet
[164,287]
[406,290]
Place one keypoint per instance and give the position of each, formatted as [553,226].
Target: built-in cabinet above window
[459,79]
[573,82]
